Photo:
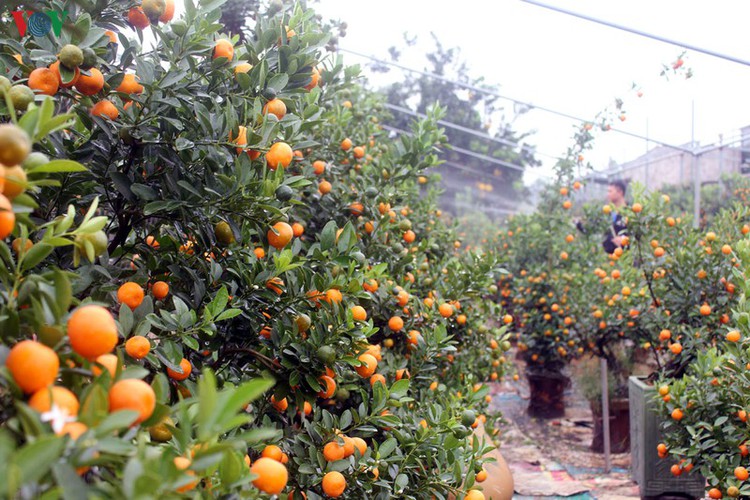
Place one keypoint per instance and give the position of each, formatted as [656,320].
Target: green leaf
[115,422]
[35,459]
[231,468]
[228,314]
[143,192]
[81,29]
[181,144]
[35,255]
[207,402]
[125,320]
[278,82]
[94,405]
[73,487]
[400,388]
[58,166]
[235,399]
[401,481]
[160,384]
[328,236]
[63,290]
[387,447]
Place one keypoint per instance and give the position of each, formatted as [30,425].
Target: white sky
[576,66]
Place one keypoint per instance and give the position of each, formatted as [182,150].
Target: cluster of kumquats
[705,411]
[221,277]
[673,296]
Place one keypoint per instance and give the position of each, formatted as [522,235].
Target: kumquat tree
[221,277]
[232,268]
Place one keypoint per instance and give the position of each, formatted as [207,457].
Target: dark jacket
[618,228]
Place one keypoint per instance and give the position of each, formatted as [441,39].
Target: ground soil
[551,457]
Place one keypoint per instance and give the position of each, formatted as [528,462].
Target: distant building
[663,166]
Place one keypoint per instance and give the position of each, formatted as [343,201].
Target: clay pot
[547,398]
[619,426]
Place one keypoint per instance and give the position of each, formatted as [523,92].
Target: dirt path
[551,458]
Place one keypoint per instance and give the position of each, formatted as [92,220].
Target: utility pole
[696,173]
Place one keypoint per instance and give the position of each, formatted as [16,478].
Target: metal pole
[696,192]
[647,157]
[696,174]
[721,164]
[682,170]
[639,32]
[605,414]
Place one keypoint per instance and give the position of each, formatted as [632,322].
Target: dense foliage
[222,217]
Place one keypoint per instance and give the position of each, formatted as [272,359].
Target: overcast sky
[576,66]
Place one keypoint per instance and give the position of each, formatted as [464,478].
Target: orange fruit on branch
[280,235]
[319,167]
[396,323]
[137,347]
[368,367]
[130,294]
[160,290]
[334,484]
[92,331]
[73,429]
[138,19]
[132,394]
[273,452]
[275,107]
[44,81]
[333,451]
[43,399]
[223,48]
[359,313]
[108,361]
[14,181]
[333,296]
[329,387]
[129,85]
[186,368]
[90,85]
[55,68]
[33,366]
[446,310]
[378,377]
[734,336]
[168,12]
[105,108]
[272,476]
[280,154]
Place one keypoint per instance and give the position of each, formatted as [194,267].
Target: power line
[501,96]
[694,48]
[471,131]
[465,151]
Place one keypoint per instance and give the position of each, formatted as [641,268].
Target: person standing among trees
[617,231]
[613,238]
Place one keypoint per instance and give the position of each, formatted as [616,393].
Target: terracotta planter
[619,426]
[499,483]
[547,398]
[648,470]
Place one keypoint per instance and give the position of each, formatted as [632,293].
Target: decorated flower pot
[547,393]
[619,426]
[651,472]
